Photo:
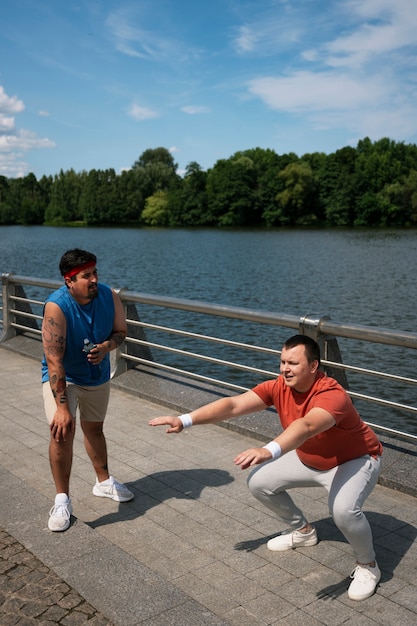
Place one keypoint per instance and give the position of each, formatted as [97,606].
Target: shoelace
[114,487]
[362,574]
[60,509]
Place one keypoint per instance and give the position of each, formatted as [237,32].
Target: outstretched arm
[218,411]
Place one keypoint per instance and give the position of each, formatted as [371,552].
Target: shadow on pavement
[393,539]
[155,488]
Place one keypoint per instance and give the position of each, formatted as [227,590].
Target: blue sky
[92,84]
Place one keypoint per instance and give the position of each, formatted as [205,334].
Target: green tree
[100,202]
[63,206]
[231,192]
[130,192]
[24,197]
[296,202]
[156,171]
[156,155]
[188,203]
[267,164]
[7,215]
[336,179]
[379,166]
[398,202]
[156,212]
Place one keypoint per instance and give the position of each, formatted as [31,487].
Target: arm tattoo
[59,388]
[117,337]
[53,340]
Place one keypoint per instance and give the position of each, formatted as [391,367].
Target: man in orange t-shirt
[324,443]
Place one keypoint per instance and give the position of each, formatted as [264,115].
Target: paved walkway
[190,549]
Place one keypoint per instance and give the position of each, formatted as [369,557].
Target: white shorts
[92,402]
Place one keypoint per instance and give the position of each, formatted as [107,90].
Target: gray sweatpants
[348,486]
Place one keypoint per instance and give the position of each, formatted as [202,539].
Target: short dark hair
[311,346]
[74,258]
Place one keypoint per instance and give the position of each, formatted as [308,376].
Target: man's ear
[314,366]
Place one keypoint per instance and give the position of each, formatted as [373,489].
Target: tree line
[374,185]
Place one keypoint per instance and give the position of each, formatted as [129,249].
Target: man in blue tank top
[83,321]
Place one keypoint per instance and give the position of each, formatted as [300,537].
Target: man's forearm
[58,382]
[116,339]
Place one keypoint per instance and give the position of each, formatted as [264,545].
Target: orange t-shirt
[348,439]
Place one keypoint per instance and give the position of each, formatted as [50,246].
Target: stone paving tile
[30,593]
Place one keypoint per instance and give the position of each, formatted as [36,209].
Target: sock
[61,498]
[108,481]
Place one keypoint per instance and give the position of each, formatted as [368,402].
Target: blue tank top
[92,321]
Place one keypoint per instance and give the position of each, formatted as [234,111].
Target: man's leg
[352,483]
[268,484]
[60,458]
[93,403]
[93,407]
[60,453]
[96,447]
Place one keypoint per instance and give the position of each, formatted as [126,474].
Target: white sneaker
[60,514]
[110,488]
[291,539]
[365,580]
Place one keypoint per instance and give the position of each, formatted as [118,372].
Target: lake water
[365,277]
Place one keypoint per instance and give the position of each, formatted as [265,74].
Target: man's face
[297,372]
[83,287]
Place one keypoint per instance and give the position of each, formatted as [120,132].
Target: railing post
[310,325]
[120,365]
[8,330]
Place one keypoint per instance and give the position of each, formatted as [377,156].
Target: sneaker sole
[285,548]
[359,598]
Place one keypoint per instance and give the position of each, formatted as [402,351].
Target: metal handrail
[18,318]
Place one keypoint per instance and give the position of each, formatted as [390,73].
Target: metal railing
[22,314]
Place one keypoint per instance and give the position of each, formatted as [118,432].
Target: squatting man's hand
[253,456]
[248,458]
[174,423]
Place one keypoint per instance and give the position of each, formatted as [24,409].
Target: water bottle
[94,369]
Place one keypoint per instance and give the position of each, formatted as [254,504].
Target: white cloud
[246,39]
[307,91]
[141,113]
[130,37]
[10,104]
[384,33]
[273,29]
[12,166]
[6,123]
[195,110]
[43,113]
[23,140]
[363,80]
[14,143]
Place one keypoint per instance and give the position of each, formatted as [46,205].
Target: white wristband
[186,420]
[274,448]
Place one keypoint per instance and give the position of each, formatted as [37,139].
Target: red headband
[78,269]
